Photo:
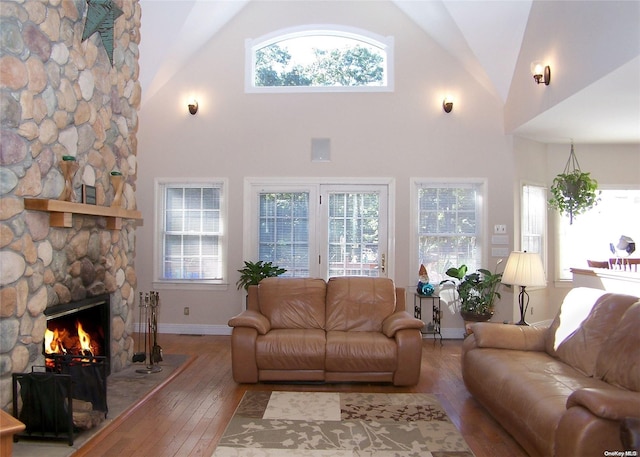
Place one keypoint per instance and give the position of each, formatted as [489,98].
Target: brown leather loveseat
[342,330]
[562,389]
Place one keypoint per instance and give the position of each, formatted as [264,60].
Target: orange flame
[49,338]
[52,343]
[85,339]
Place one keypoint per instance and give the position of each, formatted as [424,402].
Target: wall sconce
[541,73]
[193,107]
[447,104]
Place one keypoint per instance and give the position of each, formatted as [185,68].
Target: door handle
[382,263]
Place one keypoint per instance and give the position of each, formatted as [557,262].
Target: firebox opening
[80,328]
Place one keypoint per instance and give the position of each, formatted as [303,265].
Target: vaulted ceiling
[484,36]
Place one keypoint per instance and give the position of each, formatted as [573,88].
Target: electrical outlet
[186,310]
[500,229]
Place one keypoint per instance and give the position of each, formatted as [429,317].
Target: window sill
[189,285]
[563,283]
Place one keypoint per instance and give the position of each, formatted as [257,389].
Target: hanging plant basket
[573,192]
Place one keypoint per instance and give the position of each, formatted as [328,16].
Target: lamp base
[523,304]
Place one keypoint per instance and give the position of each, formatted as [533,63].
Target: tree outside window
[449,222]
[326,60]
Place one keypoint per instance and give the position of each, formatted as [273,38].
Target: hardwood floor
[188,416]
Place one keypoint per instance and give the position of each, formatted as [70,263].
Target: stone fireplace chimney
[60,96]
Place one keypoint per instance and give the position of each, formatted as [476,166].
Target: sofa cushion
[360,352]
[581,348]
[575,308]
[291,349]
[359,304]
[293,302]
[617,362]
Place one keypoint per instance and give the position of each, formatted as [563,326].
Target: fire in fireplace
[79,328]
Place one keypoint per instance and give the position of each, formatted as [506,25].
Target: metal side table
[433,327]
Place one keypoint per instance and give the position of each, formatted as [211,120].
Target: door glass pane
[284,231]
[353,233]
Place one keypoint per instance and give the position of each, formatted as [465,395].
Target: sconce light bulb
[536,68]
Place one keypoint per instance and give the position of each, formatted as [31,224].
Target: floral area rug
[333,424]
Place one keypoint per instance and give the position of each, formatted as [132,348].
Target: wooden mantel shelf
[61,212]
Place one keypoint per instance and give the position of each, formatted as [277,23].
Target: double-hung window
[448,226]
[191,241]
[534,220]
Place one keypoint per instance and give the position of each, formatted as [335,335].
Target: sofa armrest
[251,319]
[613,404]
[400,320]
[506,336]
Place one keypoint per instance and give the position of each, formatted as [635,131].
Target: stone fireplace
[60,96]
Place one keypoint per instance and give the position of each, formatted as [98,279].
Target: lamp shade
[524,269]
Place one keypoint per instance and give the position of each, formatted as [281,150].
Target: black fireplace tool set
[149,302]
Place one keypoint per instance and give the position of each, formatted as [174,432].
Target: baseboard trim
[447,334]
[194,329]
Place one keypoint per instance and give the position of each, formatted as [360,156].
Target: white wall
[401,135]
[581,41]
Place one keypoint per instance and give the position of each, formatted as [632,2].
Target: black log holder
[47,405]
[43,399]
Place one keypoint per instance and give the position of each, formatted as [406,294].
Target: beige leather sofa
[561,389]
[342,330]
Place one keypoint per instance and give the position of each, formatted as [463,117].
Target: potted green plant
[254,272]
[573,192]
[477,291]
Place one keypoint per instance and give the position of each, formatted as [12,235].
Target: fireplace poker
[140,356]
[156,352]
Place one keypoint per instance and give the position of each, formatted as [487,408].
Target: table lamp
[523,269]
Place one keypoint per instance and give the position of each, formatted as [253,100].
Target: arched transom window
[324,58]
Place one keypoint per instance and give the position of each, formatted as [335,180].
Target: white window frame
[379,41]
[544,237]
[158,248]
[416,184]
[254,186]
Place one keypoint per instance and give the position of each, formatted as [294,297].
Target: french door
[321,230]
[353,230]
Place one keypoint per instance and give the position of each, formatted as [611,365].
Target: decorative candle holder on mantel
[117,181]
[69,166]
